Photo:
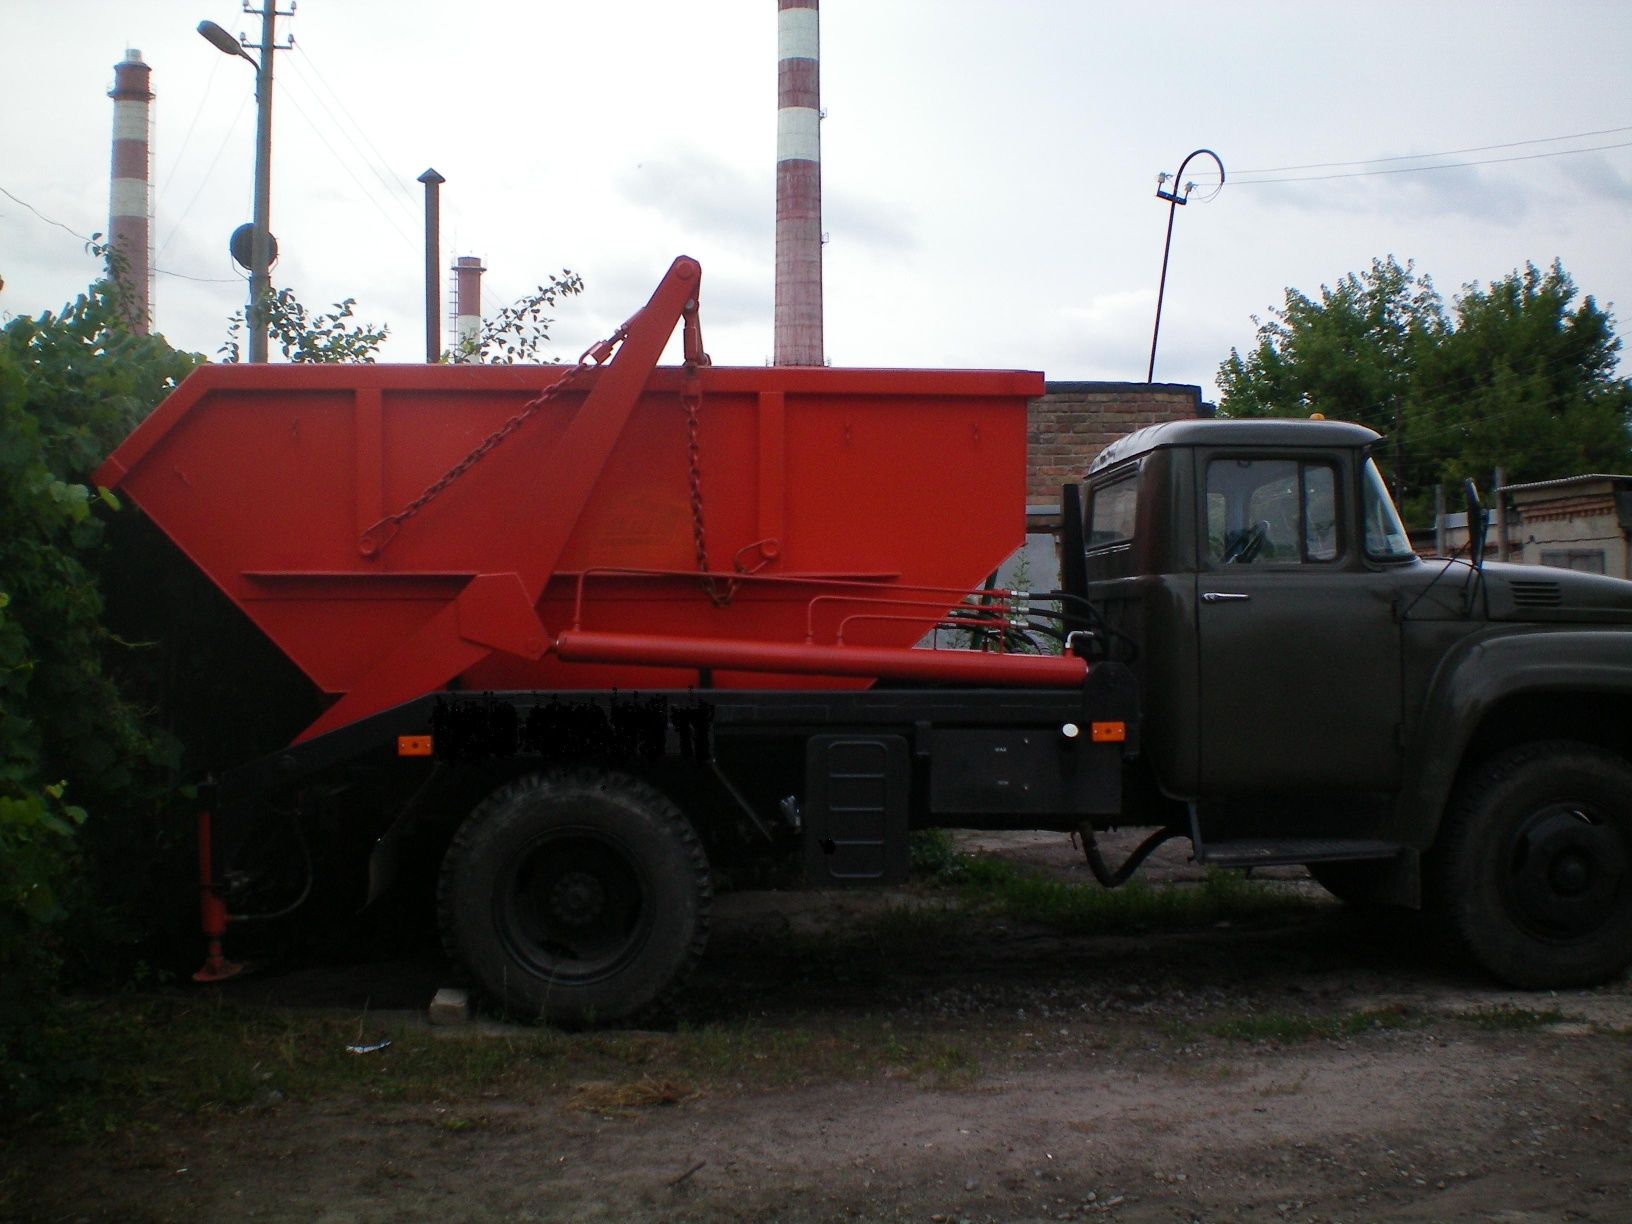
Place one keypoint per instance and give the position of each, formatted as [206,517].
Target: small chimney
[467,297]
[130,197]
[798,331]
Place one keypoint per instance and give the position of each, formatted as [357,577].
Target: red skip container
[860,503]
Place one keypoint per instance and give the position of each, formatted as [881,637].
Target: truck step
[1278,851]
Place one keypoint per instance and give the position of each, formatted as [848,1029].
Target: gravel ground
[1224,1073]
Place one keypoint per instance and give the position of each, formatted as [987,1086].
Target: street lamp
[260,259]
[1174,199]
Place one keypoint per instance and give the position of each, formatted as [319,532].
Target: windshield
[1385,534]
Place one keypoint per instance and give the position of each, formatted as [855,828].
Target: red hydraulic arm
[496,611]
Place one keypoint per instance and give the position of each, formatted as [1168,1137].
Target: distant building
[1577,522]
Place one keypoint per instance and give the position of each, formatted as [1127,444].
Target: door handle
[1224,597]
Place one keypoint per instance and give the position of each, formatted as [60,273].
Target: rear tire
[1533,872]
[578,898]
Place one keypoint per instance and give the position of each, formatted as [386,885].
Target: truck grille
[1534,593]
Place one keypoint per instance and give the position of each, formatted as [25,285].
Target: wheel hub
[1567,871]
[577,899]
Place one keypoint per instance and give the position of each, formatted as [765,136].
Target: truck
[612,635]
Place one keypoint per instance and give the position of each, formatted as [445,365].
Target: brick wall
[1073,421]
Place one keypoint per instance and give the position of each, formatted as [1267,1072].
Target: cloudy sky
[989,168]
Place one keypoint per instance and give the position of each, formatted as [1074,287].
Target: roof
[1563,482]
[1274,433]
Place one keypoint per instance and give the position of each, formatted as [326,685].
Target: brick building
[1073,422]
[1065,428]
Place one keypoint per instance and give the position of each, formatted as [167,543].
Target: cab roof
[1258,431]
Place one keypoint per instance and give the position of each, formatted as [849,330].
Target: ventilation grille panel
[1536,593]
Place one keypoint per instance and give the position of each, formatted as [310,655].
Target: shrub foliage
[74,751]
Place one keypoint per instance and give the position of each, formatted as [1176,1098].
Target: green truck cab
[1450,735]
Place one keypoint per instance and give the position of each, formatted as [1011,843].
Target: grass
[1001,886]
[1287,1028]
[146,1059]
[151,1058]
[1511,1019]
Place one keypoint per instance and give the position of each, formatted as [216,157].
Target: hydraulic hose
[1114,879]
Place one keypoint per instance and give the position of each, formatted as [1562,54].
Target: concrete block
[450,1006]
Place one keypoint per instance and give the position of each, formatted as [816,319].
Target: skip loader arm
[496,612]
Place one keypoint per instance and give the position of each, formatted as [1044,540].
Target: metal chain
[719,593]
[372,540]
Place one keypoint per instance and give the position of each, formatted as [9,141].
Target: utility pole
[260,272]
[261,245]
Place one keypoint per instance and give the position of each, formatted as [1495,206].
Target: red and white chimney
[130,195]
[467,297]
[798,334]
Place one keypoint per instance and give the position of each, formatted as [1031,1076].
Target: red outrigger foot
[217,968]
[212,912]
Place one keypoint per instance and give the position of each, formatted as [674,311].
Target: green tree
[519,331]
[1525,381]
[1510,376]
[305,335]
[72,385]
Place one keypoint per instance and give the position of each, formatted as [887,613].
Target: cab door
[1298,642]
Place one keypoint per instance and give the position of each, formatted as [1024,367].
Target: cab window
[1386,538]
[1272,512]
[1113,510]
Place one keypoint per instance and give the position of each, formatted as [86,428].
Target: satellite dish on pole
[242,246]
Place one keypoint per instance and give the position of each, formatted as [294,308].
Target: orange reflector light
[1109,733]
[413,745]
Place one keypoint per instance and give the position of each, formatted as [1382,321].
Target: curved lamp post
[1174,199]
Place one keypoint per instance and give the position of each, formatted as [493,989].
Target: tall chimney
[798,339]
[467,296]
[130,195]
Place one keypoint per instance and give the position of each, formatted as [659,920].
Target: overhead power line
[1382,165]
[90,240]
[203,99]
[350,173]
[209,173]
[1484,161]
[1373,161]
[393,182]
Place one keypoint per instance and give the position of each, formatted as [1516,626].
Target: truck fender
[1475,677]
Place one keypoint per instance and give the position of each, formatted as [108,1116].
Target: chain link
[377,536]
[719,593]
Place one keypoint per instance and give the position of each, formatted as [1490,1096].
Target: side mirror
[1478,522]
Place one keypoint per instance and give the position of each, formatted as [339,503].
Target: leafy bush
[73,750]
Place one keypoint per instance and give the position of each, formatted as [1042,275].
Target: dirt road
[918,1064]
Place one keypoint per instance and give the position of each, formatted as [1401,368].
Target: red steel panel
[265,476]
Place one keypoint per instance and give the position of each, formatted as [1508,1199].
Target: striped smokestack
[798,339]
[130,196]
[467,297]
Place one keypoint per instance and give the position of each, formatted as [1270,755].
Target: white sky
[988,168]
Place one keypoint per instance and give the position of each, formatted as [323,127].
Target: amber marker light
[413,745]
[1109,732]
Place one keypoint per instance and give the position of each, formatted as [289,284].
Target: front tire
[1534,868]
[577,898]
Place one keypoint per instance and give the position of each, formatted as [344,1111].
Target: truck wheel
[1534,867]
[577,898]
